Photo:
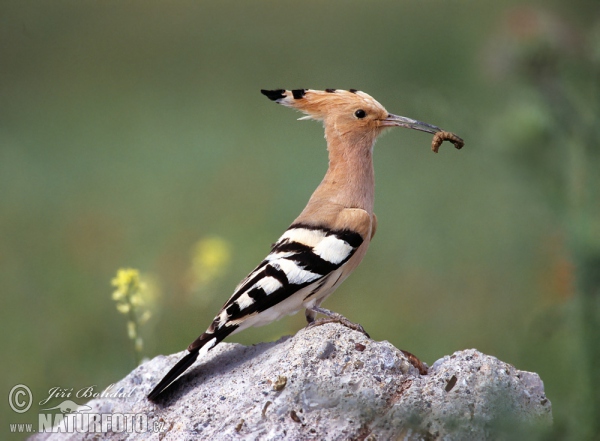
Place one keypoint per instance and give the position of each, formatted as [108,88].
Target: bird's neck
[350,178]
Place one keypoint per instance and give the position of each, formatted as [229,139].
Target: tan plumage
[329,238]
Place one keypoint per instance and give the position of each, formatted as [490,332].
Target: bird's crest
[320,104]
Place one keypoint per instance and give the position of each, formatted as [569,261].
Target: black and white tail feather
[304,266]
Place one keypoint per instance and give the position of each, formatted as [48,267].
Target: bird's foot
[332,317]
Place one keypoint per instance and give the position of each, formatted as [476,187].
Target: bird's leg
[311,315]
[332,317]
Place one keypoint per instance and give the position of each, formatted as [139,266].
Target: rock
[327,383]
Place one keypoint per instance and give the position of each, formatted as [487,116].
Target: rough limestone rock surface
[328,383]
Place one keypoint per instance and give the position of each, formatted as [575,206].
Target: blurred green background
[132,130]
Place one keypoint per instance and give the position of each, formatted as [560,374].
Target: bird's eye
[360,113]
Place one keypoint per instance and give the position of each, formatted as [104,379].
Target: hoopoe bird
[331,235]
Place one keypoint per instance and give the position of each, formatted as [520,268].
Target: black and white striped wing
[296,270]
[303,257]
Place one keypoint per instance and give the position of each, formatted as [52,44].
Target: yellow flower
[210,258]
[139,344]
[126,277]
[131,330]
[145,317]
[135,296]
[126,281]
[123,308]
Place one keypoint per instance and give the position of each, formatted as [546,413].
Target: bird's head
[346,112]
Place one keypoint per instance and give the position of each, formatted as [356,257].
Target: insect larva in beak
[442,136]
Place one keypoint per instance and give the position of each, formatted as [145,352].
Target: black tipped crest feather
[273,95]
[298,93]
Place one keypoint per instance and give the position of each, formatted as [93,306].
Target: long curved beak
[402,121]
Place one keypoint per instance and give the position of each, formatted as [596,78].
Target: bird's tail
[173,374]
[201,345]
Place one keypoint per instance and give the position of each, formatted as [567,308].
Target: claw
[334,317]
